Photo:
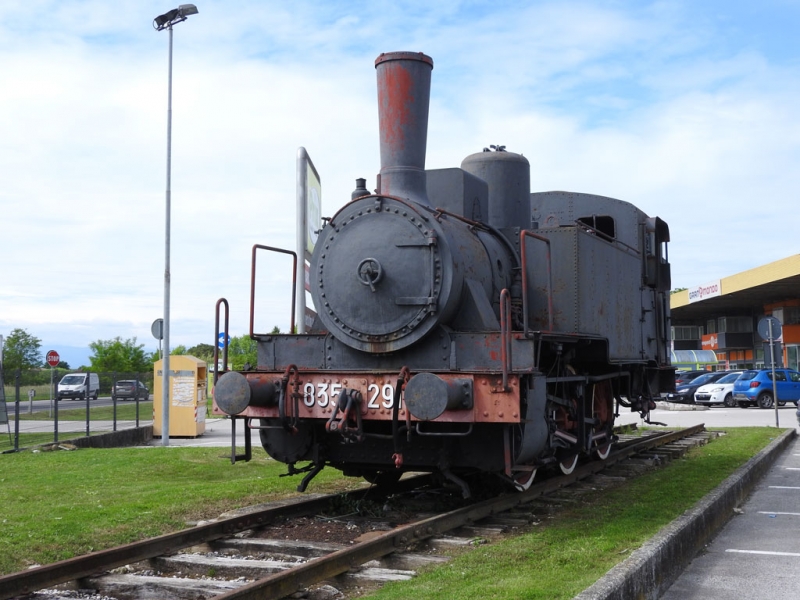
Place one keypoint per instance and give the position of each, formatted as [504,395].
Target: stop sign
[53,358]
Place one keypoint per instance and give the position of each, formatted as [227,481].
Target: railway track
[229,559]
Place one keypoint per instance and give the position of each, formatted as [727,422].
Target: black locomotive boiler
[464,324]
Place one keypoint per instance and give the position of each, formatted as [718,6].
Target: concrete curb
[134,436]
[681,407]
[649,571]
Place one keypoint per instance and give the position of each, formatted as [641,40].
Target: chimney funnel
[404,88]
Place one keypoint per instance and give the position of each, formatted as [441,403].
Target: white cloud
[668,105]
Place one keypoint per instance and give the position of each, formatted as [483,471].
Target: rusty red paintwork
[397,95]
[492,403]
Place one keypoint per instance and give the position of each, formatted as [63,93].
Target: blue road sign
[223,340]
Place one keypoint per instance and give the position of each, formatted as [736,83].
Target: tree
[120,356]
[22,351]
[202,351]
[242,350]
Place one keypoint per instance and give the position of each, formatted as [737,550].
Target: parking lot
[685,415]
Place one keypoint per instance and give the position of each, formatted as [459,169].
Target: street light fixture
[166,21]
[176,15]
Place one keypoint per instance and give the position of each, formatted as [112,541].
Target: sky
[686,109]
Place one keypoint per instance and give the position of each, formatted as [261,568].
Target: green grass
[560,558]
[76,411]
[61,504]
[126,411]
[42,392]
[26,440]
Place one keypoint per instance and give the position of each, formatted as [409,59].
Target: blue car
[754,388]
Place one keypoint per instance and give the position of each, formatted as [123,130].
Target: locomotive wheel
[382,478]
[603,451]
[603,411]
[566,420]
[523,479]
[568,465]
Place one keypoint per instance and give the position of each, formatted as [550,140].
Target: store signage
[703,292]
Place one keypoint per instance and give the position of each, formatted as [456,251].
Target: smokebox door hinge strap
[431,242]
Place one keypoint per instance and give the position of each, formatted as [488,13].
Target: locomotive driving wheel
[566,416]
[603,451]
[568,464]
[523,479]
[568,457]
[603,414]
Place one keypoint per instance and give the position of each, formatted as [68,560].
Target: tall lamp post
[160,23]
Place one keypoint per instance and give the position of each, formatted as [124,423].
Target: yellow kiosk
[188,383]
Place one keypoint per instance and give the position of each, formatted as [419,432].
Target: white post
[302,219]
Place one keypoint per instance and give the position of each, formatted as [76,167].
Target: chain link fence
[41,406]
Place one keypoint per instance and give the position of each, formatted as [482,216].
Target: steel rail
[25,582]
[289,581]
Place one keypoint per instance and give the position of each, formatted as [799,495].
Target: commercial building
[722,317]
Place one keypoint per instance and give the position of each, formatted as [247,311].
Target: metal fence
[32,414]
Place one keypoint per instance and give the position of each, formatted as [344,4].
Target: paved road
[757,555]
[217,433]
[682,415]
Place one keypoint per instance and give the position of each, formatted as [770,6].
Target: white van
[73,385]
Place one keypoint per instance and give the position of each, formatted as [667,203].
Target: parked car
[683,377]
[719,392]
[685,392]
[754,388]
[126,389]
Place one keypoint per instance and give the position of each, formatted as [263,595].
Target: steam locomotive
[464,324]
